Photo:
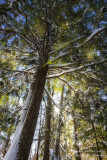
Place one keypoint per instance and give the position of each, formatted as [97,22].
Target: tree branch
[60,56]
[24,38]
[61,65]
[89,38]
[75,69]
[85,11]
[18,50]
[35,37]
[63,80]
[51,97]
[94,78]
[20,72]
[65,54]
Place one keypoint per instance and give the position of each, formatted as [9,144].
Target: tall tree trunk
[57,143]
[21,144]
[95,135]
[39,138]
[47,125]
[97,145]
[57,147]
[78,154]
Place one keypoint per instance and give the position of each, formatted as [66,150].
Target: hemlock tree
[49,39]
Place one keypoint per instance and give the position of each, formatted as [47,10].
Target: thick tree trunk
[47,126]
[21,144]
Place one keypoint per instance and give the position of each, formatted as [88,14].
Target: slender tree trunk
[21,144]
[57,144]
[47,126]
[78,154]
[57,147]
[97,145]
[39,138]
[95,135]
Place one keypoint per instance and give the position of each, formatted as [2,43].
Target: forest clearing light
[56,110]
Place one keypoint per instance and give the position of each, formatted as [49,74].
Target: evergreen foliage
[58,46]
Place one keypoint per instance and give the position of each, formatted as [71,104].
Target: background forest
[59,46]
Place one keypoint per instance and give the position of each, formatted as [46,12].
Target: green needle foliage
[58,45]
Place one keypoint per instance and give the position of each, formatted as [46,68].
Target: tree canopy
[53,79]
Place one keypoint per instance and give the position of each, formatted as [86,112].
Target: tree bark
[78,154]
[21,144]
[95,135]
[47,126]
[60,125]
[57,147]
[97,145]
[39,138]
